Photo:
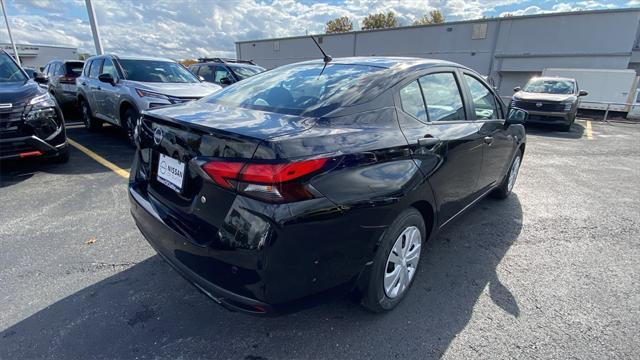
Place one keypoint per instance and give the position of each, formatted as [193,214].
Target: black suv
[316,177]
[224,72]
[31,123]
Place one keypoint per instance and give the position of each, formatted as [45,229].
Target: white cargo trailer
[605,86]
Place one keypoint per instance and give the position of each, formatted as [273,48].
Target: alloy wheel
[402,262]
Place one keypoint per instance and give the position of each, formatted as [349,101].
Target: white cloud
[563,7]
[194,28]
[633,3]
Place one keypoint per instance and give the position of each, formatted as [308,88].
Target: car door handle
[428,141]
[488,139]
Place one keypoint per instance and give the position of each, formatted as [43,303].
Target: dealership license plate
[170,172]
[68,87]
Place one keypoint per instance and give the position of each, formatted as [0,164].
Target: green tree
[433,17]
[380,21]
[338,25]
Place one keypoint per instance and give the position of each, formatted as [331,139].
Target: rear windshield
[156,71]
[244,72]
[74,68]
[550,86]
[295,89]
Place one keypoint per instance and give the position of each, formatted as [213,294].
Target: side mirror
[225,81]
[107,78]
[517,88]
[200,78]
[40,78]
[583,93]
[517,116]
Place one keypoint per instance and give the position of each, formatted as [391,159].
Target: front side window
[221,73]
[483,100]
[550,86]
[412,102]
[442,95]
[109,68]
[96,66]
[243,72]
[9,70]
[297,89]
[156,71]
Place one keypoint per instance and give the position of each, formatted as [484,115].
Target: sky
[183,29]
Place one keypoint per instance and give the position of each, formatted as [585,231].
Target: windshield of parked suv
[156,71]
[550,86]
[9,71]
[244,72]
[294,89]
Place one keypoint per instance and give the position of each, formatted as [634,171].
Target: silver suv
[116,89]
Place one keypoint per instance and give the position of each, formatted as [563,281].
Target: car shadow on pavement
[576,132]
[148,311]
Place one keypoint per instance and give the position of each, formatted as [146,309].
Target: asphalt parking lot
[552,272]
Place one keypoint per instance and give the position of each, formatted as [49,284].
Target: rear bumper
[174,248]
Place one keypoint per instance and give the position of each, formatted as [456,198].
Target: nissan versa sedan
[320,178]
[549,100]
[31,122]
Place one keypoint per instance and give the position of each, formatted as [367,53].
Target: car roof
[554,78]
[132,57]
[386,61]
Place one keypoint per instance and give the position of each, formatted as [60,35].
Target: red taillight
[270,182]
[68,79]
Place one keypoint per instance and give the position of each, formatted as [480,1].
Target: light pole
[94,27]
[6,20]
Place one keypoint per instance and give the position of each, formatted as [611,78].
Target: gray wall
[508,50]
[36,56]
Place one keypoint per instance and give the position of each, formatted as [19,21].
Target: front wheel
[503,191]
[396,262]
[130,117]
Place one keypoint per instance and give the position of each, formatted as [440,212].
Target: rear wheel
[396,262]
[503,191]
[91,123]
[129,119]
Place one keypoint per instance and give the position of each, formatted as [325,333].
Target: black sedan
[317,178]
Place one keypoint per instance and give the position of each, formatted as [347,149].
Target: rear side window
[87,66]
[96,67]
[442,95]
[484,102]
[206,71]
[412,102]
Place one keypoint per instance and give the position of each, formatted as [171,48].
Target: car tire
[504,190]
[90,123]
[399,249]
[129,119]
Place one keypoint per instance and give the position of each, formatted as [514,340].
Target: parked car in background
[31,123]
[315,177]
[62,76]
[224,72]
[115,89]
[30,71]
[549,100]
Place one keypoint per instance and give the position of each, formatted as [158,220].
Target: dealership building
[36,56]
[509,50]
